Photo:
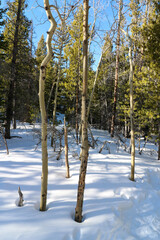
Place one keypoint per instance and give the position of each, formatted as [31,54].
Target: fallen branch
[140,152]
[105,144]
[123,142]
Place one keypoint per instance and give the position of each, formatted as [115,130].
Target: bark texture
[84,152]
[44,177]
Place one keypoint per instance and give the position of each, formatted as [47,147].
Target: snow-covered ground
[115,208]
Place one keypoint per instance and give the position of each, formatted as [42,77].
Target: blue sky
[41,24]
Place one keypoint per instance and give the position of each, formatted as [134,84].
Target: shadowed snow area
[115,208]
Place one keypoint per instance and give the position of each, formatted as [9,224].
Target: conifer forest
[80,119]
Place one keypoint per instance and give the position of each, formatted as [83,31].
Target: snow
[115,208]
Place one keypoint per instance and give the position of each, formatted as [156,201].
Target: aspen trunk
[94,85]
[66,150]
[11,95]
[116,70]
[77,100]
[44,177]
[56,92]
[131,112]
[84,155]
[77,96]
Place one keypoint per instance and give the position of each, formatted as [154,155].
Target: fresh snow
[115,208]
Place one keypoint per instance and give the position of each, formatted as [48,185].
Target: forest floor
[115,208]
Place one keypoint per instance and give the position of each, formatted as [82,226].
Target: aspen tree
[66,149]
[44,177]
[131,111]
[117,67]
[84,152]
[131,108]
[57,83]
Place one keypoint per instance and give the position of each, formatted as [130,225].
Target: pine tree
[19,60]
[73,56]
[3,66]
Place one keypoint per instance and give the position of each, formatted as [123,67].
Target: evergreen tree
[73,56]
[19,60]
[3,46]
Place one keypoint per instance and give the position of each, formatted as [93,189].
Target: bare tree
[58,80]
[66,150]
[131,110]
[131,107]
[95,80]
[44,178]
[84,155]
[117,67]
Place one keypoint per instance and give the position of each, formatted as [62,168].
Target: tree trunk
[77,95]
[9,110]
[84,155]
[14,106]
[116,71]
[56,92]
[131,112]
[77,101]
[94,85]
[44,178]
[66,150]
[5,142]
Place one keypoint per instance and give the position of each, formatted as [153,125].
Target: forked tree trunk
[84,155]
[11,93]
[44,178]
[117,68]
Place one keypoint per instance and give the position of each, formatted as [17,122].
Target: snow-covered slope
[114,207]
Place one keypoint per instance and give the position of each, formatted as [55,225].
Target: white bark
[66,150]
[131,108]
[84,152]
[44,177]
